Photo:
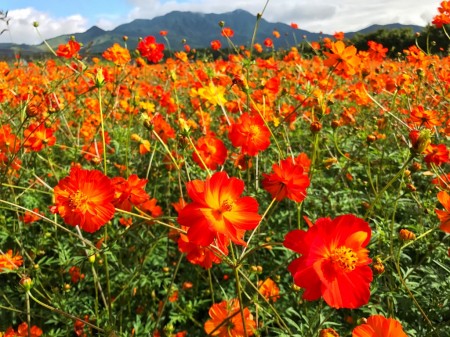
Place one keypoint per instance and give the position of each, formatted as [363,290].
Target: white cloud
[21,28]
[327,16]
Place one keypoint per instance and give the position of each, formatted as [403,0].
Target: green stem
[65,314]
[102,123]
[236,266]
[379,194]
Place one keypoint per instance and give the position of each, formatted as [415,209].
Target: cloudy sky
[58,17]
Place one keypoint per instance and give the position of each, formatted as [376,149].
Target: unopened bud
[406,235]
[378,267]
[420,140]
[26,283]
[329,332]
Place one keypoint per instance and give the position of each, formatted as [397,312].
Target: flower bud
[420,140]
[329,332]
[378,267]
[406,235]
[26,283]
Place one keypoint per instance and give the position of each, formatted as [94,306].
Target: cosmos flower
[84,198]
[218,211]
[379,326]
[334,262]
[226,320]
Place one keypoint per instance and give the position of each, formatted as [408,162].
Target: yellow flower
[213,94]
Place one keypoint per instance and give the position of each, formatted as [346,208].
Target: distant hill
[196,28]
[374,28]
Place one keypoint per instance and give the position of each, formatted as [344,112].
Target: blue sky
[58,17]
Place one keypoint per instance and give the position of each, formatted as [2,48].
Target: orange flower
[37,136]
[29,217]
[8,261]
[216,45]
[444,216]
[22,331]
[443,18]
[334,261]
[212,152]
[424,118]
[68,50]
[75,274]
[294,25]
[84,198]
[227,32]
[379,326]
[117,54]
[288,180]
[199,255]
[258,48]
[151,50]
[436,154]
[226,320]
[343,59]
[269,289]
[338,35]
[130,192]
[250,134]
[218,211]
[268,42]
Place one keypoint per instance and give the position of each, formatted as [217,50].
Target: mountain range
[196,29]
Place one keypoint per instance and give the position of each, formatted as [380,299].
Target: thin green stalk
[379,194]
[168,291]
[108,283]
[253,232]
[65,314]
[102,123]
[238,289]
[211,288]
[275,312]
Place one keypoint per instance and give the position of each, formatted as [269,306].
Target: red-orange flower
[444,216]
[216,45]
[84,198]
[269,289]
[436,154]
[199,255]
[8,261]
[227,32]
[22,331]
[30,217]
[268,43]
[379,326]
[226,320]
[117,54]
[334,261]
[151,50]
[129,192]
[218,210]
[288,180]
[212,152]
[343,59]
[37,136]
[250,134]
[68,50]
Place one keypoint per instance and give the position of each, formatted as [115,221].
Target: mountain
[197,29]
[374,28]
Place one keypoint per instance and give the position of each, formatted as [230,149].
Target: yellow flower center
[79,201]
[344,258]
[226,206]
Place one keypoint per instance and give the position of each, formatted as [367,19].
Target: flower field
[261,193]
